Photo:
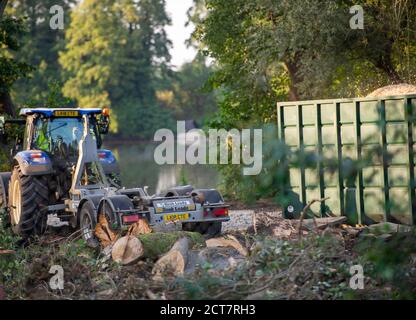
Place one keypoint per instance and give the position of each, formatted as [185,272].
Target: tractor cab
[59,131]
[52,136]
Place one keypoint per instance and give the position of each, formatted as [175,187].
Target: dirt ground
[284,261]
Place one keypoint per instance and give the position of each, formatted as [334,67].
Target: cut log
[151,245]
[140,227]
[158,243]
[174,261]
[230,241]
[127,249]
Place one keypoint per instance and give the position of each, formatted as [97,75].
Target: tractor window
[58,135]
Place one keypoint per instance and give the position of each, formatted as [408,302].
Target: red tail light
[101,155]
[131,218]
[220,212]
[36,155]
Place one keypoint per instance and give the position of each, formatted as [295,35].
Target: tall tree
[115,52]
[3,4]
[269,50]
[11,69]
[40,46]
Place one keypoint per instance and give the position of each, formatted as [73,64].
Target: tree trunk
[157,244]
[293,71]
[173,262]
[384,60]
[385,64]
[127,250]
[6,104]
[3,4]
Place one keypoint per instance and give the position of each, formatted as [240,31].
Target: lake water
[138,169]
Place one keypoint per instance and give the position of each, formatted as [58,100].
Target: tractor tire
[28,201]
[87,223]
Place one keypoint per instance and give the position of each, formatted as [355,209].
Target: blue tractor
[59,168]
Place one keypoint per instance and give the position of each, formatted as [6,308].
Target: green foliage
[115,53]
[187,93]
[276,269]
[159,243]
[53,98]
[269,51]
[391,261]
[40,47]
[11,69]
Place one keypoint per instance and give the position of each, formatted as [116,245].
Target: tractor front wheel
[28,201]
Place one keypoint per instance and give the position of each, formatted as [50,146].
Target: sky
[178,33]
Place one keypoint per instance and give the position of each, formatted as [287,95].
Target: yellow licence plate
[175,217]
[66,113]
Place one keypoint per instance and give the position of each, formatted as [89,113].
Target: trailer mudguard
[93,200]
[207,196]
[34,162]
[118,204]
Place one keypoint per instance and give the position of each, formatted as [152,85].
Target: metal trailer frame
[103,194]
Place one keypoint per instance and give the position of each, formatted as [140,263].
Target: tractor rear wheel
[28,201]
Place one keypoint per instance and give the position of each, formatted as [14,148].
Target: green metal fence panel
[372,143]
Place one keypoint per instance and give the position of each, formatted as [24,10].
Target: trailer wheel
[87,223]
[111,217]
[28,201]
[210,229]
[207,229]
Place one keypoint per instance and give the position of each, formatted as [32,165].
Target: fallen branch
[7,252]
[305,210]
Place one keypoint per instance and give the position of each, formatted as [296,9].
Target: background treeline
[116,53]
[110,53]
[278,50]
[273,50]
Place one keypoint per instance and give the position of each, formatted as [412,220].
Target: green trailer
[375,136]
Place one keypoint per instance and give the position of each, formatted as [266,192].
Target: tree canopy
[273,50]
